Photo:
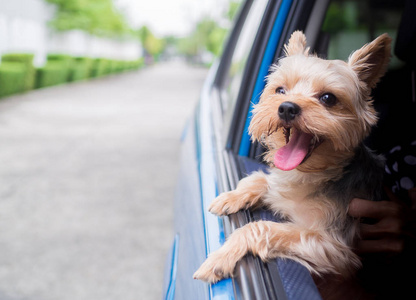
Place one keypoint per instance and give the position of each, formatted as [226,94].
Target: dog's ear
[297,44]
[370,62]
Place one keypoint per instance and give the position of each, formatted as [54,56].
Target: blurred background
[79,39]
[94,96]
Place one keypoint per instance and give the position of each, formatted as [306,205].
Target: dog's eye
[280,90]
[328,99]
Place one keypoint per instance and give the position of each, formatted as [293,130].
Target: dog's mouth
[299,147]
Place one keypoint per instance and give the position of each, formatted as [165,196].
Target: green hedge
[107,66]
[52,73]
[97,68]
[64,60]
[17,73]
[80,69]
[27,60]
[12,78]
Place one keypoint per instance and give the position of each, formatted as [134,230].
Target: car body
[217,151]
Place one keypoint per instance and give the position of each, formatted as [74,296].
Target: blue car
[217,151]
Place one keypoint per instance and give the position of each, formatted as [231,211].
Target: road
[87,177]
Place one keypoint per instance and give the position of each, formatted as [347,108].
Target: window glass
[349,24]
[239,59]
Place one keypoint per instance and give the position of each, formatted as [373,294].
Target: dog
[312,117]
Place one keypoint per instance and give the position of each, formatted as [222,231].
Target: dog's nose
[288,111]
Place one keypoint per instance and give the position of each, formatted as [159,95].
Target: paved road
[87,174]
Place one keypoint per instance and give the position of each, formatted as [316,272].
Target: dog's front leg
[247,194]
[318,252]
[265,239]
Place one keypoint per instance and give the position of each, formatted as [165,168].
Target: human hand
[393,226]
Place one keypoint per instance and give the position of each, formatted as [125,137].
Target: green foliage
[151,44]
[135,64]
[107,66]
[66,59]
[12,78]
[63,59]
[209,34]
[188,46]
[98,67]
[27,60]
[335,19]
[53,73]
[80,69]
[216,40]
[59,69]
[233,8]
[97,17]
[204,30]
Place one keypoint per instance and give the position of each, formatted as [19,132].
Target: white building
[23,28]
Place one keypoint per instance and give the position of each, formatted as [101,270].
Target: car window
[349,24]
[239,58]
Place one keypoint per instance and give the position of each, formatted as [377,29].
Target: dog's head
[315,112]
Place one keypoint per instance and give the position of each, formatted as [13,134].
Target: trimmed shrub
[117,66]
[27,60]
[53,73]
[96,68]
[17,73]
[12,78]
[80,69]
[60,57]
[126,65]
[101,67]
[107,66]
[64,59]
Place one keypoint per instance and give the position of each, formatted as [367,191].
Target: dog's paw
[214,269]
[225,204]
[207,274]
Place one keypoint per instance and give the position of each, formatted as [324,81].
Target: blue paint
[222,290]
[264,70]
[170,294]
[213,228]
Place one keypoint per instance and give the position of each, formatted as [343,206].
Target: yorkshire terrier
[312,117]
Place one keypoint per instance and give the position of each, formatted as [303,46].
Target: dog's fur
[313,196]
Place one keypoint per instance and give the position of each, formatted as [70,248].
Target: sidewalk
[87,175]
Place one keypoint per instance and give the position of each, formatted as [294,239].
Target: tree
[98,17]
[209,34]
[233,9]
[151,44]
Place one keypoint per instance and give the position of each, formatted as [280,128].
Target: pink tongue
[290,156]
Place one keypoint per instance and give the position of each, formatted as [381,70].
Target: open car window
[233,79]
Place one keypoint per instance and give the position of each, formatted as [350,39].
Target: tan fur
[316,235]
[248,194]
[297,44]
